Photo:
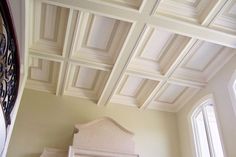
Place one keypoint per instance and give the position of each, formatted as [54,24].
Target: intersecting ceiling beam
[172,25]
[122,63]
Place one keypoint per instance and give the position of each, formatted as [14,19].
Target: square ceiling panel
[172,97]
[188,10]
[133,90]
[226,21]
[203,61]
[98,38]
[85,82]
[43,74]
[157,50]
[49,24]
[129,4]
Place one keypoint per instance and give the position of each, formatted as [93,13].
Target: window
[232,91]
[206,133]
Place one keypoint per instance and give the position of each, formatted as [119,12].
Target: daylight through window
[206,132]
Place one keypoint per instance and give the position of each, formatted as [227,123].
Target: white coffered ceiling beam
[182,55]
[193,30]
[175,26]
[152,95]
[168,74]
[144,74]
[126,54]
[214,12]
[122,62]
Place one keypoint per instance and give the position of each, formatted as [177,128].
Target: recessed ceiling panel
[226,21]
[101,31]
[171,94]
[49,27]
[171,97]
[130,4]
[188,10]
[98,38]
[133,90]
[147,54]
[157,50]
[43,74]
[203,61]
[203,56]
[132,86]
[85,82]
[86,78]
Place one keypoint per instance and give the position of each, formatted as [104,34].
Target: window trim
[232,91]
[208,99]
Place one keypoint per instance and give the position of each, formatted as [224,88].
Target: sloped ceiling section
[146,54]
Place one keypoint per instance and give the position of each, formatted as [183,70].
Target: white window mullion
[197,142]
[208,132]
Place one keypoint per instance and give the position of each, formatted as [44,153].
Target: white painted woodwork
[203,56]
[48,27]
[226,20]
[146,54]
[133,90]
[130,4]
[98,38]
[105,135]
[101,30]
[172,96]
[171,93]
[203,61]
[157,50]
[132,86]
[86,79]
[85,82]
[43,74]
[191,11]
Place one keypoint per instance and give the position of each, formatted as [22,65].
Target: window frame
[200,107]
[232,91]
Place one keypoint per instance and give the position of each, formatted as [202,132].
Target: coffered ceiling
[143,53]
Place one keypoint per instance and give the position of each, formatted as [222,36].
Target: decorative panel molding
[48,28]
[98,38]
[43,74]
[147,54]
[203,61]
[85,82]
[187,10]
[130,4]
[171,97]
[133,90]
[171,94]
[226,20]
[157,50]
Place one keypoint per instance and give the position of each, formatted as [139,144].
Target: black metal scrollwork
[9,63]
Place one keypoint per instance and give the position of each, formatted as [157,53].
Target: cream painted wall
[45,120]
[218,86]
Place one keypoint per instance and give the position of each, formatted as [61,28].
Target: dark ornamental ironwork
[9,63]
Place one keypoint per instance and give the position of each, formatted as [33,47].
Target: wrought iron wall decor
[9,62]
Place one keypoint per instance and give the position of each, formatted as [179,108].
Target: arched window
[206,132]
[232,91]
